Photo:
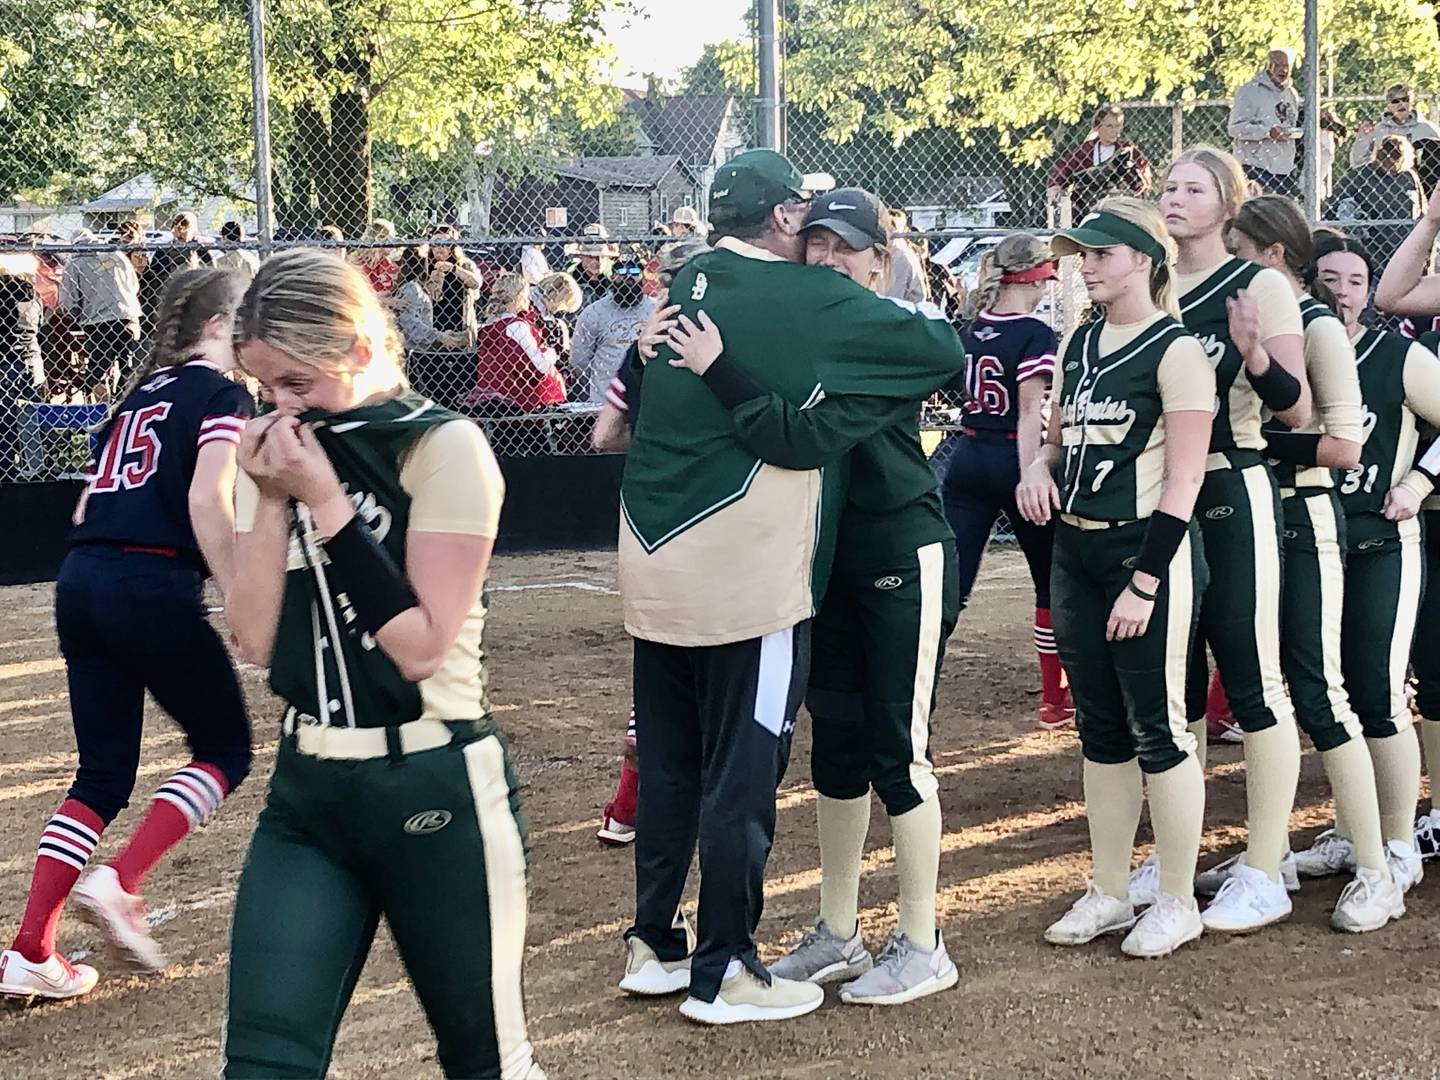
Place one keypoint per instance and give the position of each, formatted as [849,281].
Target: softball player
[1271,231]
[364,531]
[1385,563]
[1010,359]
[155,517]
[1248,319]
[879,639]
[1128,437]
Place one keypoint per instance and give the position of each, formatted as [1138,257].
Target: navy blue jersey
[1001,352]
[145,458]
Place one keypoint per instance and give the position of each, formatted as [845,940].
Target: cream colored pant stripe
[1268,583]
[1407,612]
[1181,583]
[927,656]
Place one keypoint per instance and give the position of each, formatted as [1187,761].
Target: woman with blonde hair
[1009,366]
[515,368]
[380,264]
[1248,319]
[1128,437]
[365,523]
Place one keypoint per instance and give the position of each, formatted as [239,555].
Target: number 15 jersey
[1001,352]
[139,486]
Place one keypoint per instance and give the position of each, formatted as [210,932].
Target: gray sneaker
[823,956]
[903,973]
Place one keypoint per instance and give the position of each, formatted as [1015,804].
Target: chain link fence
[509,205]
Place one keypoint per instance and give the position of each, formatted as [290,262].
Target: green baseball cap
[750,185]
[1102,229]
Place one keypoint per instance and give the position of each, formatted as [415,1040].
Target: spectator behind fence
[685,221]
[1384,189]
[332,235]
[184,254]
[1103,164]
[556,297]
[907,273]
[21,371]
[100,291]
[379,264]
[414,310]
[591,269]
[1263,121]
[1332,134]
[515,370]
[454,283]
[607,328]
[241,261]
[1399,118]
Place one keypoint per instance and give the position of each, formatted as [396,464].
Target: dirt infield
[1295,1001]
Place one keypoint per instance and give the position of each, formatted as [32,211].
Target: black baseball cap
[748,186]
[852,214]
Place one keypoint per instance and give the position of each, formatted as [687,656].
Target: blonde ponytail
[987,288]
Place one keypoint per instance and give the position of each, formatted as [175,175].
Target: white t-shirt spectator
[603,333]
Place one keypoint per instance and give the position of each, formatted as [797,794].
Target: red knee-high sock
[65,847]
[622,809]
[1052,675]
[1217,703]
[188,799]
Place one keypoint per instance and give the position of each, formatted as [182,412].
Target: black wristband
[730,382]
[1293,447]
[1163,534]
[1277,388]
[1141,593]
[375,586]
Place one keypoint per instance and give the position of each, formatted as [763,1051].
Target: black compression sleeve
[731,383]
[1162,539]
[1277,388]
[376,587]
[1295,447]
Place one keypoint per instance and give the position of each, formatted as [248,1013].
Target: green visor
[1103,230]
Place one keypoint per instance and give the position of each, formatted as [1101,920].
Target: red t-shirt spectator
[382,274]
[515,367]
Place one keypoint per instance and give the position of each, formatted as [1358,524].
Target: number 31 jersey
[1001,352]
[139,484]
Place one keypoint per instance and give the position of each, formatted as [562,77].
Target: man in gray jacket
[101,292]
[1399,118]
[1264,122]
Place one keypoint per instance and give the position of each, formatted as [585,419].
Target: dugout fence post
[1310,171]
[260,95]
[767,20]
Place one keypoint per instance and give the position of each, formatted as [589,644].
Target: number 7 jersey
[1001,352]
[139,486]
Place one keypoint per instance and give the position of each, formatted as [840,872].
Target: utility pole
[260,108]
[767,19]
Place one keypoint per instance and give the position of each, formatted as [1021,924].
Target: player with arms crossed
[1128,436]
[363,544]
[1010,359]
[156,515]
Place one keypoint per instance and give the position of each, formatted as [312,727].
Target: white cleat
[745,998]
[1330,854]
[1145,882]
[55,978]
[1405,865]
[1247,901]
[1169,923]
[1208,882]
[1094,915]
[646,975]
[120,916]
[1368,902]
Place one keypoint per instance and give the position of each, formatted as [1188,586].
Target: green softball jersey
[1400,387]
[1335,391]
[716,545]
[1204,313]
[1114,384]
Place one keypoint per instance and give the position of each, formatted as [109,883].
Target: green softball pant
[1384,582]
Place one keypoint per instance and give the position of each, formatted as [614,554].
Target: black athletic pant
[715,723]
[1425,653]
[112,349]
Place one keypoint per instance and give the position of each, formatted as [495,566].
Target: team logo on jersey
[986,333]
[702,283]
[1106,422]
[160,381]
[888,582]
[1214,348]
[1219,513]
[1129,563]
[1369,545]
[427,821]
[1072,365]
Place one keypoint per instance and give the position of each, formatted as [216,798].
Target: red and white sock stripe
[195,792]
[68,841]
[1044,640]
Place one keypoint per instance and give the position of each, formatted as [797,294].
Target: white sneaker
[823,956]
[1330,854]
[1405,865]
[1208,882]
[1247,901]
[646,975]
[614,833]
[744,998]
[1169,923]
[904,972]
[1145,882]
[1368,902]
[120,916]
[1427,834]
[1093,915]
[55,978]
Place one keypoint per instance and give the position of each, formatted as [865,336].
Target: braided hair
[190,300]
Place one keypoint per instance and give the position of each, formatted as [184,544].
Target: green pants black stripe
[1238,512]
[1425,654]
[878,645]
[1129,695]
[1384,581]
[1313,606]
[433,842]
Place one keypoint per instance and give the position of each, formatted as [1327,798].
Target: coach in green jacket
[723,561]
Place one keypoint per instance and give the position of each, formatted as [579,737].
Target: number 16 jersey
[1001,352]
